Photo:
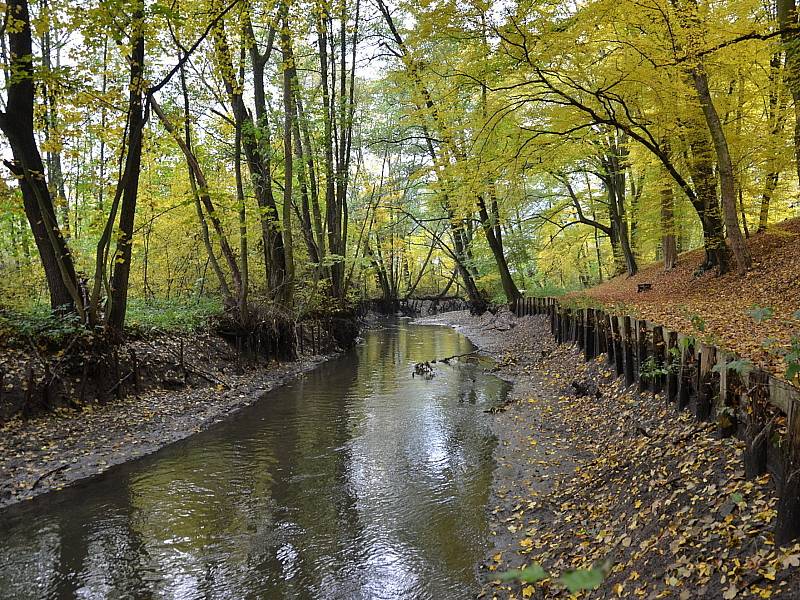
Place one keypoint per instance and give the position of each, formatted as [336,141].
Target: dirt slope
[717,308]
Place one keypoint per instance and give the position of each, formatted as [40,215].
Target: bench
[643,287]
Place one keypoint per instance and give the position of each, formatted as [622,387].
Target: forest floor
[754,316]
[56,448]
[591,473]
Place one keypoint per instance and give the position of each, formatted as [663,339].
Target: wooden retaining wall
[763,410]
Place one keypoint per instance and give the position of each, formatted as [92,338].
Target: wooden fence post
[705,387]
[628,343]
[687,379]
[643,374]
[659,355]
[787,526]
[673,364]
[619,355]
[757,427]
[589,335]
[609,338]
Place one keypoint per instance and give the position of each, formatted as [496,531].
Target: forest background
[168,160]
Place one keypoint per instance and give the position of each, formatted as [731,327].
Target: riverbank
[590,473]
[59,448]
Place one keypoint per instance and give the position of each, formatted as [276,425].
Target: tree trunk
[489,228]
[129,181]
[786,11]
[255,143]
[725,168]
[17,125]
[668,241]
[288,111]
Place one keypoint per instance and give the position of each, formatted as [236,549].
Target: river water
[356,481]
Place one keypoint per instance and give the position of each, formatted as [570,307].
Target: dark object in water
[424,369]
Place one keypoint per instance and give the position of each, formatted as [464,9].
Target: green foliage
[698,323]
[761,313]
[530,574]
[39,326]
[741,366]
[172,315]
[792,359]
[582,579]
[652,369]
[575,581]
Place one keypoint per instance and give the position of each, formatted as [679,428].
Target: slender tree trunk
[118,300]
[255,143]
[668,241]
[288,112]
[786,11]
[243,241]
[17,125]
[509,287]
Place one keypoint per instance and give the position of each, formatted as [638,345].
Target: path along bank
[592,473]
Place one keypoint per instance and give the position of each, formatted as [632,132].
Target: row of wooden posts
[760,408]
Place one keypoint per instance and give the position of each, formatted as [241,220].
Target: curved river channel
[356,481]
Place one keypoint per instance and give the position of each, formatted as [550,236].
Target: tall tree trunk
[129,180]
[190,161]
[725,169]
[17,125]
[668,241]
[205,207]
[243,241]
[786,11]
[495,244]
[288,111]
[776,119]
[255,143]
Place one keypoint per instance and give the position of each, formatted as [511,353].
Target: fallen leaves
[671,511]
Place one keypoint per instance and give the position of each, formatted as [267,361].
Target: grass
[36,322]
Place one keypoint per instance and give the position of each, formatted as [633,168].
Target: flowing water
[356,481]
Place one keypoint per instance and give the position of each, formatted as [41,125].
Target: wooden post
[757,427]
[687,379]
[644,376]
[787,527]
[630,376]
[609,338]
[673,362]
[589,339]
[659,354]
[706,387]
[619,355]
[580,327]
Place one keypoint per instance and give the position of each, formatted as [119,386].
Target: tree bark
[17,125]
[129,181]
[725,169]
[495,245]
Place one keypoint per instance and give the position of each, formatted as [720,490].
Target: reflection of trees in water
[355,479]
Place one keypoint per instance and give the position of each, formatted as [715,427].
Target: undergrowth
[36,323]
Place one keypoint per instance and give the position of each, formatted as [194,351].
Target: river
[357,481]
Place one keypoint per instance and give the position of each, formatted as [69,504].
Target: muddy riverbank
[54,449]
[591,474]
